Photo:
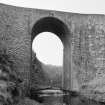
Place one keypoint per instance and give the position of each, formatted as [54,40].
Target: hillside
[45,75]
[54,73]
[38,77]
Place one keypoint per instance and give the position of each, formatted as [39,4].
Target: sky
[76,6]
[52,51]
[48,48]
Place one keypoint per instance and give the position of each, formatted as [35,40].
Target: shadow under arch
[51,24]
[56,26]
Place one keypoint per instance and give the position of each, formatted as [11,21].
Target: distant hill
[52,70]
[45,75]
[54,73]
[38,77]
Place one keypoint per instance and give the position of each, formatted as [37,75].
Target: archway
[54,25]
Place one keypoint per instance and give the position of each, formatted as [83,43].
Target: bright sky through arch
[48,48]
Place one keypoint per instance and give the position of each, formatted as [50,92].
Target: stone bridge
[83,37]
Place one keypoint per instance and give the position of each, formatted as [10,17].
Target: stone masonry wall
[15,38]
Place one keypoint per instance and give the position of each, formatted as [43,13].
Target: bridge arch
[56,26]
[51,24]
